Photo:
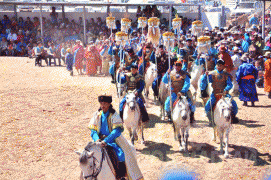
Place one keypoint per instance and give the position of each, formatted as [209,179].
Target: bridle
[96,171]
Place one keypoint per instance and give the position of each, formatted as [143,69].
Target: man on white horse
[222,84]
[180,87]
[162,67]
[106,127]
[148,55]
[135,81]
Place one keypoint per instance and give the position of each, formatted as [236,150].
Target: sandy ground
[43,121]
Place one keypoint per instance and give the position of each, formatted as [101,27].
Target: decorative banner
[121,38]
[169,39]
[142,22]
[154,30]
[110,22]
[204,44]
[177,23]
[197,28]
[125,24]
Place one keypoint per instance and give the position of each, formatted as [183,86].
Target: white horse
[95,163]
[121,88]
[132,117]
[162,96]
[150,75]
[181,121]
[222,120]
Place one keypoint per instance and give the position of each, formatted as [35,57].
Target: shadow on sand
[250,123]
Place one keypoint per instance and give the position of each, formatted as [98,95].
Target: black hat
[220,61]
[105,98]
[161,46]
[188,39]
[130,50]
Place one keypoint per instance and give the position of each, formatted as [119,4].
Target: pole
[84,23]
[15,10]
[170,16]
[169,83]
[199,15]
[263,22]
[41,25]
[63,13]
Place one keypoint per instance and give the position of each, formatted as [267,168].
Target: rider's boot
[113,79]
[144,114]
[209,116]
[169,116]
[121,174]
[234,119]
[121,115]
[192,117]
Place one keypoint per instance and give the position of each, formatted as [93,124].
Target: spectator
[21,48]
[28,25]
[69,61]
[254,20]
[155,12]
[5,21]
[21,23]
[3,47]
[12,36]
[139,13]
[54,16]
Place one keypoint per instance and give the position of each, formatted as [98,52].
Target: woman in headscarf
[93,60]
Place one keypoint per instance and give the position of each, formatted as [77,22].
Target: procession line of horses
[180,120]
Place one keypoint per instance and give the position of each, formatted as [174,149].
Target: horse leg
[221,133]
[142,134]
[186,139]
[181,140]
[226,155]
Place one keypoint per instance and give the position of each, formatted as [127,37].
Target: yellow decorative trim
[204,39]
[168,34]
[110,18]
[142,19]
[117,125]
[153,19]
[196,23]
[93,127]
[126,20]
[121,34]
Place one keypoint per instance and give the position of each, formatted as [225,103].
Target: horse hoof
[181,149]
[226,155]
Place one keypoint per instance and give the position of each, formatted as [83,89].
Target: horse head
[88,163]
[225,107]
[131,100]
[183,107]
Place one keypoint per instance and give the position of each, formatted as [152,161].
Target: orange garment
[217,98]
[92,61]
[228,61]
[267,76]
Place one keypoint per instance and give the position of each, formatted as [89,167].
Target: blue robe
[247,87]
[111,136]
[69,61]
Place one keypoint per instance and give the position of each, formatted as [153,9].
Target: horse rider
[148,56]
[115,65]
[106,127]
[222,84]
[132,58]
[162,67]
[135,81]
[190,50]
[180,81]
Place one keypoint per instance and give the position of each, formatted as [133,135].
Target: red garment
[19,37]
[267,76]
[228,61]
[79,56]
[92,61]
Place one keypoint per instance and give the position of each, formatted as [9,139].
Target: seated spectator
[155,12]
[51,53]
[40,54]
[20,35]
[12,36]
[21,48]
[10,50]
[36,23]
[14,24]
[28,24]
[21,23]
[3,47]
[5,21]
[139,13]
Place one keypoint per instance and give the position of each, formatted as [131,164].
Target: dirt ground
[44,120]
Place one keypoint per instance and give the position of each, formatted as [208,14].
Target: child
[69,61]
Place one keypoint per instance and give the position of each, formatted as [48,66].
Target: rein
[98,170]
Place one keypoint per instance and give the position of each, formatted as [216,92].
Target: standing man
[246,76]
[106,127]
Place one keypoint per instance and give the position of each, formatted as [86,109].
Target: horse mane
[83,157]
